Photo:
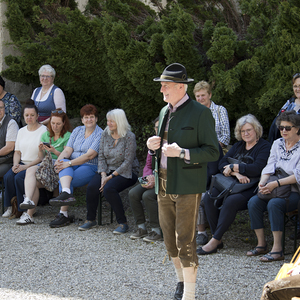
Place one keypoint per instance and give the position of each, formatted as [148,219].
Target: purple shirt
[148,166]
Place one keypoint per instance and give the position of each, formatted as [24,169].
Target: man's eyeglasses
[287,128]
[57,111]
[45,76]
[2,107]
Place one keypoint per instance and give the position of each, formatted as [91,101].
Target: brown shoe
[152,237]
[140,233]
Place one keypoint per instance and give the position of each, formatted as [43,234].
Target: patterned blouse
[12,107]
[121,157]
[289,160]
[81,145]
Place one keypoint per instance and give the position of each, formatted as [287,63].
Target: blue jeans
[111,192]
[81,174]
[276,208]
[14,186]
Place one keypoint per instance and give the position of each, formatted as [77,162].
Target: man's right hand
[153,143]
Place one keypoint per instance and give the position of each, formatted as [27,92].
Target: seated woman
[285,154]
[254,152]
[48,97]
[203,93]
[118,167]
[12,105]
[146,192]
[54,140]
[77,163]
[25,156]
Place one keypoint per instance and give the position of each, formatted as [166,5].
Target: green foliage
[109,54]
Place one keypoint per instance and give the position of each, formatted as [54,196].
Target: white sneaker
[25,219]
[27,203]
[8,212]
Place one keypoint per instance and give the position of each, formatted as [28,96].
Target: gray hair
[119,116]
[250,119]
[47,68]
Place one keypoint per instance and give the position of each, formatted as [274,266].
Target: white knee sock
[189,291]
[179,274]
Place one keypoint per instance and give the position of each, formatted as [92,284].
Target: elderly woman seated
[285,154]
[77,163]
[252,152]
[118,169]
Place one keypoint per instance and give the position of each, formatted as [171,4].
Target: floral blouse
[12,107]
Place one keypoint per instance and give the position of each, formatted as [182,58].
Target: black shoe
[200,251]
[64,199]
[292,236]
[179,291]
[60,221]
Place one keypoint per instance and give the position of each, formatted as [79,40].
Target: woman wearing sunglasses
[285,154]
[48,97]
[292,104]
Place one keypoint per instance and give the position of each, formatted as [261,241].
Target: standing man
[186,141]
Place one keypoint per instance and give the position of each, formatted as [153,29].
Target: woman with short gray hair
[48,97]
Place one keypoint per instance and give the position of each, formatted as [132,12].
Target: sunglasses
[287,128]
[296,75]
[57,111]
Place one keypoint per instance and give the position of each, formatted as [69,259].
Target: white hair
[119,116]
[47,68]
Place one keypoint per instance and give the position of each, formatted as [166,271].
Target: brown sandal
[255,252]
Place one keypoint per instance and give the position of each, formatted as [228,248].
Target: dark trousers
[136,195]
[111,192]
[14,186]
[220,219]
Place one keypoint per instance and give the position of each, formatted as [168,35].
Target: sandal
[268,257]
[255,252]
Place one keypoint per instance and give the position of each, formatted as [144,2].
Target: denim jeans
[81,174]
[276,208]
[111,192]
[14,186]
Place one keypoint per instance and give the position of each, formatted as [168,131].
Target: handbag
[46,174]
[286,267]
[227,185]
[282,191]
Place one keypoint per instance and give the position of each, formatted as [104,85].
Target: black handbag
[228,185]
[282,191]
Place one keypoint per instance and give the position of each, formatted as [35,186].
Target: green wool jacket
[192,127]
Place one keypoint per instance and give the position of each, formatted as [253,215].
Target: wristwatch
[70,163]
[231,167]
[182,154]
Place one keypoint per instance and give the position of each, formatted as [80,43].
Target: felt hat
[174,73]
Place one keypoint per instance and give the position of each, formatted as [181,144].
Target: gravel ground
[39,262]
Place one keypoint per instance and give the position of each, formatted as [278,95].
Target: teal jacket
[191,127]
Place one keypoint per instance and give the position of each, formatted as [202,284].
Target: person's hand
[268,188]
[150,182]
[60,165]
[50,149]
[104,180]
[153,143]
[18,168]
[171,150]
[227,171]
[242,178]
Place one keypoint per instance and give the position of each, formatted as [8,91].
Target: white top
[12,130]
[27,143]
[58,97]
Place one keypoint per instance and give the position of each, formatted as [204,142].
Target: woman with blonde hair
[118,169]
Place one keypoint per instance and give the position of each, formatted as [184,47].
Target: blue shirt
[81,145]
